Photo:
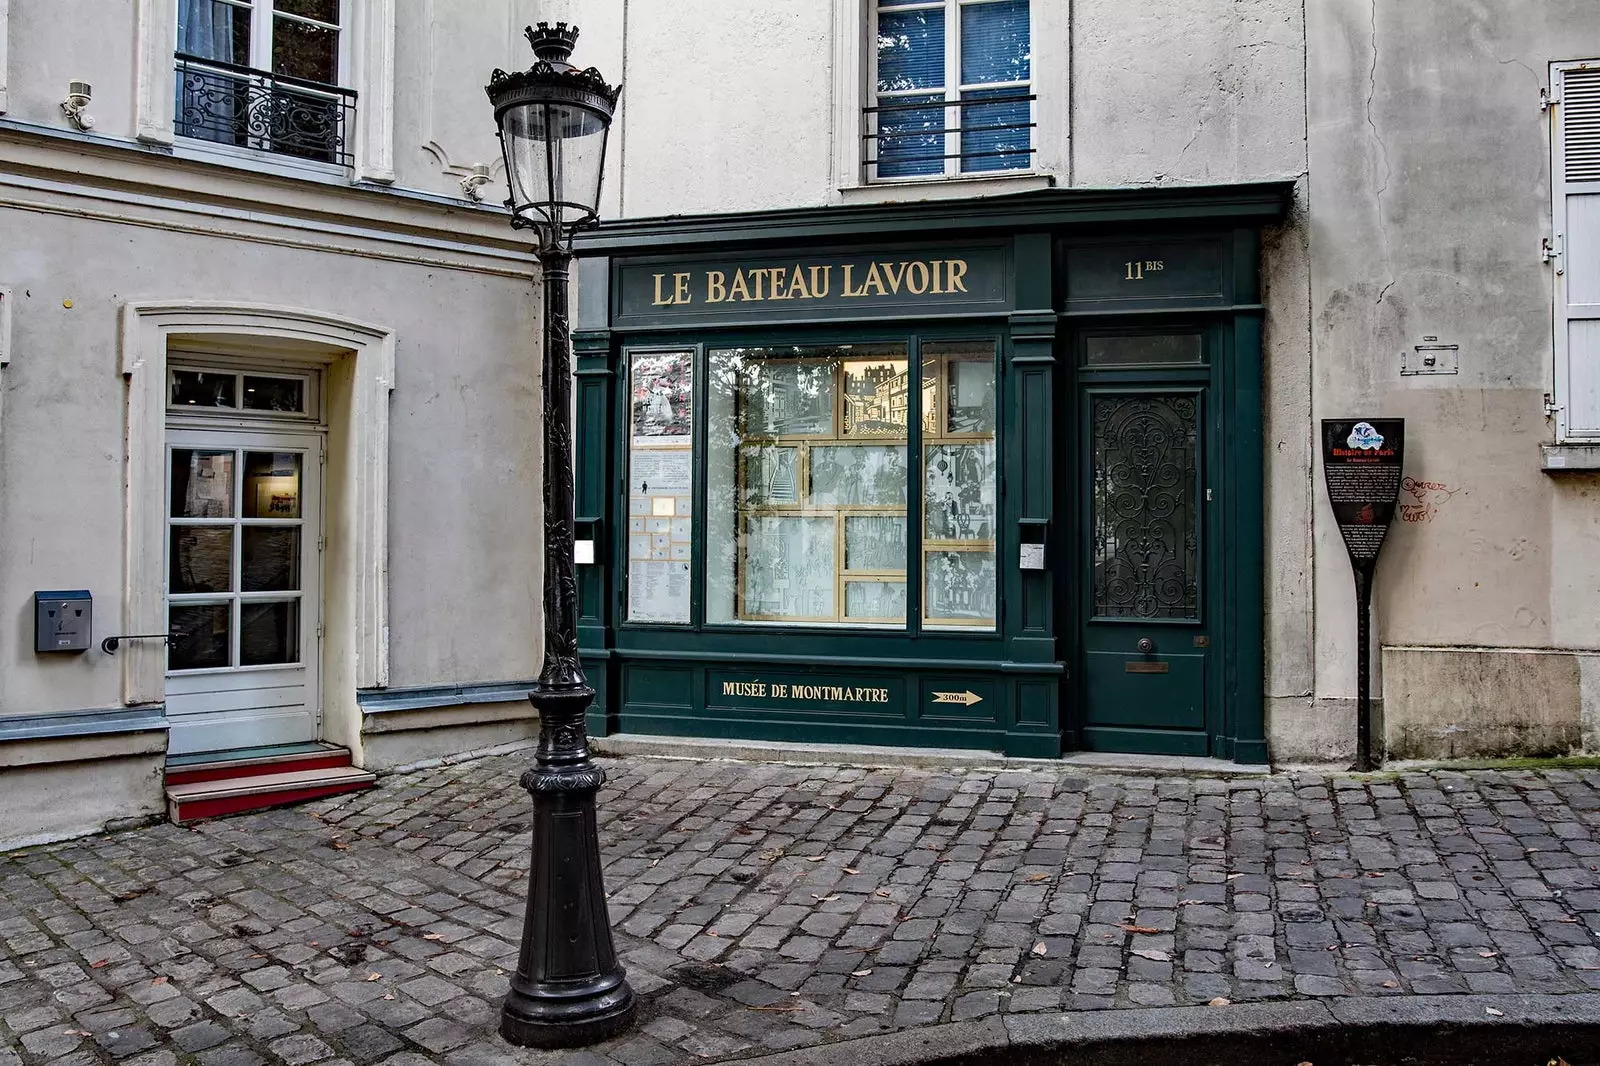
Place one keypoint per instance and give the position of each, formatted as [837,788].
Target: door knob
[1146,645]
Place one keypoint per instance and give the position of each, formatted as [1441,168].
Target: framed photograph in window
[960,587]
[970,397]
[874,542]
[788,571]
[786,398]
[876,397]
[858,475]
[959,491]
[770,475]
[875,601]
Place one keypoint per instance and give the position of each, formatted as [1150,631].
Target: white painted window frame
[5,50]
[952,89]
[1565,313]
[148,331]
[367,63]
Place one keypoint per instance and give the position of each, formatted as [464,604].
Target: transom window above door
[216,391]
[266,75]
[952,88]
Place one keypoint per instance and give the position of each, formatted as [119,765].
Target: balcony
[247,108]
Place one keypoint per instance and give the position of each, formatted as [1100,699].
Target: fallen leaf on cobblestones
[97,965]
[1138,928]
[433,936]
[823,899]
[340,845]
[1189,902]
[851,870]
[1391,984]
[883,892]
[1491,1012]
[374,976]
[158,981]
[1220,1001]
[1487,954]
[1232,876]
[388,995]
[711,932]
[76,1032]
[860,973]
[1039,948]
[815,858]
[1156,955]
[1038,877]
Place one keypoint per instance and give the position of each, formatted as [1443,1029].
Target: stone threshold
[642,745]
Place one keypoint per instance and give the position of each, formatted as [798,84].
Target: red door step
[210,799]
[243,762]
[210,784]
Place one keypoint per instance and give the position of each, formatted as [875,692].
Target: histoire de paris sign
[1361,465]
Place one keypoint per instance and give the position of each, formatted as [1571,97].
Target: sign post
[1361,460]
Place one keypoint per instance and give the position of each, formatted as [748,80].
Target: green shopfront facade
[979,474]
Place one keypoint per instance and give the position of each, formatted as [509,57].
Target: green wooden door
[1147,561]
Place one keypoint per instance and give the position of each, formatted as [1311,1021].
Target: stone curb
[1529,1029]
[638,745]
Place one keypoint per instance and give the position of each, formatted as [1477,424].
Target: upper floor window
[266,74]
[953,89]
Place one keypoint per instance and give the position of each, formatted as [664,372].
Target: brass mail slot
[1148,668]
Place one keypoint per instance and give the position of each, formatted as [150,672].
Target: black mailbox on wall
[63,620]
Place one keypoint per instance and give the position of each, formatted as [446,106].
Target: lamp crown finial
[552,45]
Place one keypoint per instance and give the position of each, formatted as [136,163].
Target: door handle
[1146,645]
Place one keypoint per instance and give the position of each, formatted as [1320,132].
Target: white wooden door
[244,562]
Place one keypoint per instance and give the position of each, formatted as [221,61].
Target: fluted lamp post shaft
[569,990]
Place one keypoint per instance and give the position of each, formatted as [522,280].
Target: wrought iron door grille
[984,131]
[228,104]
[1145,521]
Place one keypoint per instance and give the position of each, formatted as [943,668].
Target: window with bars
[1575,182]
[952,88]
[265,74]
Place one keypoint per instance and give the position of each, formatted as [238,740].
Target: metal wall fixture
[76,104]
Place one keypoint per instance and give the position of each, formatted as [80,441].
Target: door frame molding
[356,490]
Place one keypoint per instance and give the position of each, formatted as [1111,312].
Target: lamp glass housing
[555,151]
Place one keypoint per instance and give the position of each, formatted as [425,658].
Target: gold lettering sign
[809,693]
[887,277]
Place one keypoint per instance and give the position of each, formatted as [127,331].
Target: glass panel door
[242,568]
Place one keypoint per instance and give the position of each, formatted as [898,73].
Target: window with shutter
[952,89]
[1575,183]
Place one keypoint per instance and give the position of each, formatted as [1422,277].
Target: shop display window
[811,481]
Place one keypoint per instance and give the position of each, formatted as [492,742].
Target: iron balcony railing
[909,138]
[229,104]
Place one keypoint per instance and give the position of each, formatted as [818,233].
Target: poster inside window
[660,485]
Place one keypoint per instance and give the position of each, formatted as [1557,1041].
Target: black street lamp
[569,989]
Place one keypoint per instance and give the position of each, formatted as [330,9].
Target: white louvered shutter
[1575,182]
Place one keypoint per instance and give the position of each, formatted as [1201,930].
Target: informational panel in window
[660,486]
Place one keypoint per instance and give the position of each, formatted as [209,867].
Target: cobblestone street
[766,907]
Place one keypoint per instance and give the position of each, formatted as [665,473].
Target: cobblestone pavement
[763,907]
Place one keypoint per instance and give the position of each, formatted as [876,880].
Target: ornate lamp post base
[569,990]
